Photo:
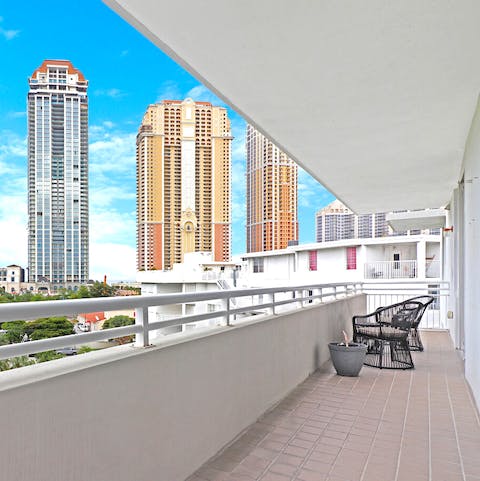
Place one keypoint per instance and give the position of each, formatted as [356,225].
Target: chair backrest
[425,301]
[402,314]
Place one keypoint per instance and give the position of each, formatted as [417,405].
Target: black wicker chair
[386,332]
[414,340]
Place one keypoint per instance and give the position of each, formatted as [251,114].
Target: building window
[258,264]
[351,258]
[312,260]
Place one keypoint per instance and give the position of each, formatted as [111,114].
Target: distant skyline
[126,73]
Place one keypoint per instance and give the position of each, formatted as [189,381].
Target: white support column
[141,318]
[421,259]
[471,257]
[450,270]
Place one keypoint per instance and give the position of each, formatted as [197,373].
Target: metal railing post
[141,319]
[271,299]
[299,295]
[226,307]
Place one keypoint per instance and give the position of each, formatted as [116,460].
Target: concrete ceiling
[374,99]
[418,219]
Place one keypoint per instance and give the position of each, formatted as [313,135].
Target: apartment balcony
[391,269]
[407,269]
[162,411]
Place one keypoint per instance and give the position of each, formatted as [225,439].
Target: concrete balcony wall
[158,413]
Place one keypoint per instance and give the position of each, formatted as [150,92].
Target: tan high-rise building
[271,195]
[183,183]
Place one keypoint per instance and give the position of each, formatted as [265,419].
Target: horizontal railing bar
[155,325]
[32,347]
[74,307]
[412,282]
[255,307]
[440,292]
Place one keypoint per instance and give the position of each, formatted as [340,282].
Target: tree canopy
[118,321]
[42,328]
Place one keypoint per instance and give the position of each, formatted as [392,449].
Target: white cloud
[112,244]
[13,226]
[109,195]
[110,225]
[16,115]
[113,93]
[311,194]
[111,152]
[13,194]
[9,34]
[116,261]
[112,202]
[201,93]
[169,90]
[124,53]
[13,151]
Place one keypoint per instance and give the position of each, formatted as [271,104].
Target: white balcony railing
[435,317]
[262,301]
[238,304]
[391,269]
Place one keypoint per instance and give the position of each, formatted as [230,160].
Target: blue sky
[126,73]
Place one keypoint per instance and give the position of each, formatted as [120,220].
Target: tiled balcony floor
[417,425]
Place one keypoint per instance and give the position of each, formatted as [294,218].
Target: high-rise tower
[58,175]
[271,195]
[183,183]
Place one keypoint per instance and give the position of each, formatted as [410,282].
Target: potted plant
[347,357]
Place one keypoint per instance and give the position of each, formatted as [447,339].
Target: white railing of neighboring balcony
[391,269]
[435,317]
[261,301]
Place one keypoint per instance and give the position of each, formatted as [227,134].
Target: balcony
[176,404]
[391,269]
[385,425]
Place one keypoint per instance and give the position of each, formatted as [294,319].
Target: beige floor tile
[416,425]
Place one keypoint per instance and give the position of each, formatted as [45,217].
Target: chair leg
[414,340]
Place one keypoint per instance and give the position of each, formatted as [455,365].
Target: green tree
[99,289]
[45,328]
[118,321]
[15,330]
[82,292]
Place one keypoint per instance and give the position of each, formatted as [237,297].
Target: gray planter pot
[347,361]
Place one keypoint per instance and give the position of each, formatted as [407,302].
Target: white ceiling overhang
[423,219]
[374,99]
